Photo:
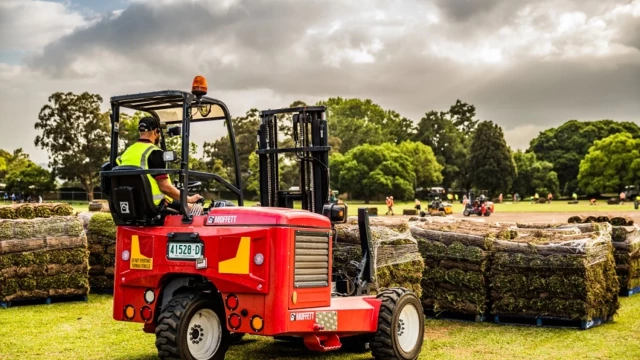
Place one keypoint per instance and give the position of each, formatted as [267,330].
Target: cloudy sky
[525,64]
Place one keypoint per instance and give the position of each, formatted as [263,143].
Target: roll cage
[173,107]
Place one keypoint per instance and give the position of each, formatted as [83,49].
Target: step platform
[448,315]
[44,301]
[629,292]
[547,321]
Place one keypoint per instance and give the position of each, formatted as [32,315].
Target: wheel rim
[204,334]
[408,328]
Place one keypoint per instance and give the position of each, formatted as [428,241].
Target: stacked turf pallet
[101,234]
[457,257]
[626,244]
[625,238]
[32,211]
[552,274]
[42,258]
[397,260]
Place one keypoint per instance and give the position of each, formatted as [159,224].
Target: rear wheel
[191,328]
[400,326]
[466,213]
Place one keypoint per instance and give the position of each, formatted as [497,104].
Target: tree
[356,122]
[440,134]
[76,136]
[15,161]
[533,175]
[245,129]
[491,166]
[611,164]
[428,171]
[367,171]
[566,145]
[30,178]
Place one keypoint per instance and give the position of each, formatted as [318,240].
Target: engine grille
[311,259]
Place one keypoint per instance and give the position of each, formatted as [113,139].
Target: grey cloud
[276,60]
[462,10]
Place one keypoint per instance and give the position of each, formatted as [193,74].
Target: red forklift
[197,278]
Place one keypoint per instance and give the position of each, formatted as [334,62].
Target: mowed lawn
[86,331]
[559,206]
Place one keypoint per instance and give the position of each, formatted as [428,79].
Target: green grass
[507,207]
[559,206]
[86,331]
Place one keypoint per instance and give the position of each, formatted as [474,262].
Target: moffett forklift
[196,277]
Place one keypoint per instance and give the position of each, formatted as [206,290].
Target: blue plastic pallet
[447,315]
[635,290]
[47,301]
[545,321]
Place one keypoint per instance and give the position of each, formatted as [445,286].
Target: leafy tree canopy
[534,176]
[76,136]
[491,166]
[610,164]
[566,145]
[31,179]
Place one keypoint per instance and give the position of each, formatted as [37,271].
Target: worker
[622,197]
[145,153]
[332,197]
[549,198]
[636,203]
[417,205]
[456,196]
[392,204]
[500,198]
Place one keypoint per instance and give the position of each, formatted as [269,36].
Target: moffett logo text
[303,316]
[222,219]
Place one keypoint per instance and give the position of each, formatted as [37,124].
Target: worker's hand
[194,198]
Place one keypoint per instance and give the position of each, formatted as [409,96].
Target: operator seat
[131,200]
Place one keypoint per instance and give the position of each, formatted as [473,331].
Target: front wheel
[466,213]
[400,331]
[190,328]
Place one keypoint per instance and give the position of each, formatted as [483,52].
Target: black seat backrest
[131,200]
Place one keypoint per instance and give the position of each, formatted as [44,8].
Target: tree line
[375,151]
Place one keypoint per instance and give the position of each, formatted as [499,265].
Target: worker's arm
[157,162]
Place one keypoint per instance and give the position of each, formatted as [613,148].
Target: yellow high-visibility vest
[138,155]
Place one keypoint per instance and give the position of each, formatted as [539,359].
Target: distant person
[593,202]
[388,202]
[622,197]
[332,197]
[549,197]
[417,205]
[574,196]
[39,199]
[392,204]
[500,198]
[456,196]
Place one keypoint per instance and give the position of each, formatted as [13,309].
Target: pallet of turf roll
[42,259]
[33,211]
[101,235]
[548,278]
[626,245]
[456,256]
[397,260]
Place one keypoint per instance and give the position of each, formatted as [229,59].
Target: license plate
[184,250]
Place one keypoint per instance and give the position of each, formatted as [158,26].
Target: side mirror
[174,131]
[170,156]
[337,213]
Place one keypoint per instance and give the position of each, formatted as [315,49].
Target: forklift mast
[310,139]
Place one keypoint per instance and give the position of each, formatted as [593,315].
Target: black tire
[487,212]
[386,344]
[173,333]
[466,213]
[236,338]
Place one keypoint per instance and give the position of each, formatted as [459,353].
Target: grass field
[86,331]
[507,207]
